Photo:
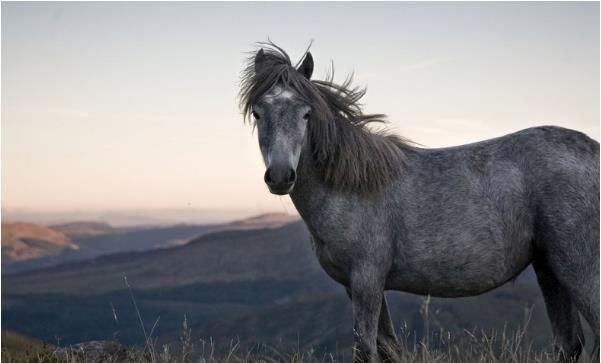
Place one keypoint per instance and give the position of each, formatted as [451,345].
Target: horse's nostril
[291,176]
[279,176]
[267,177]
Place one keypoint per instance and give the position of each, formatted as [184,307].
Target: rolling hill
[259,285]
[89,240]
[92,239]
[27,241]
[226,256]
[19,348]
[84,229]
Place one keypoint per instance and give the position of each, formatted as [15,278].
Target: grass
[472,347]
[19,348]
[436,347]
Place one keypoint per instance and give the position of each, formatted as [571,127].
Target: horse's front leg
[366,289]
[388,343]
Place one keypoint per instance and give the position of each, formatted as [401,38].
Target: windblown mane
[348,155]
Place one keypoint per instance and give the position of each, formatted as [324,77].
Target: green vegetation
[19,348]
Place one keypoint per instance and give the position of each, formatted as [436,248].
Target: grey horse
[385,214]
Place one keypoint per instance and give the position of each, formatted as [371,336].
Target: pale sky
[133,105]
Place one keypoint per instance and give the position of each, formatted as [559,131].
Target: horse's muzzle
[281,189]
[280,181]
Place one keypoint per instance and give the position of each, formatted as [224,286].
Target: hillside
[26,241]
[233,255]
[256,285]
[84,229]
[267,220]
[17,347]
[94,239]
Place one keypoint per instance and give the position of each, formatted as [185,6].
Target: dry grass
[471,347]
[436,347]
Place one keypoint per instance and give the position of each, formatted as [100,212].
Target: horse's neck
[310,192]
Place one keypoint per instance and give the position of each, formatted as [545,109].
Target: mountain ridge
[26,241]
[92,239]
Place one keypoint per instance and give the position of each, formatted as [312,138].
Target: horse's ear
[260,61]
[306,68]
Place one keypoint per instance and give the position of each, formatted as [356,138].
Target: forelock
[347,153]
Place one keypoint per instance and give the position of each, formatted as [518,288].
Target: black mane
[349,155]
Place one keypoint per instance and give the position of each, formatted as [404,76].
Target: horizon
[114,107]
[136,217]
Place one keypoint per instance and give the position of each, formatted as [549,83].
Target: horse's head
[295,115]
[281,117]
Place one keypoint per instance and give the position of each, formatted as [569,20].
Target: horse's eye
[255,115]
[307,116]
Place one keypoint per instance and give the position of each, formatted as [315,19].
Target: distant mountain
[90,240]
[267,220]
[225,256]
[259,285]
[26,241]
[83,229]
[94,239]
[128,218]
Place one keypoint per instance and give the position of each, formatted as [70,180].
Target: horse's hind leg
[584,293]
[563,314]
[571,252]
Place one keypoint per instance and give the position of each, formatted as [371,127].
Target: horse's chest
[332,259]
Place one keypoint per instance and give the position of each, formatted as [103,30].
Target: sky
[110,106]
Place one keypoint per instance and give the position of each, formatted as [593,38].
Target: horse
[386,214]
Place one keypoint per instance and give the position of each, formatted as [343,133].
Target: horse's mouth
[282,189]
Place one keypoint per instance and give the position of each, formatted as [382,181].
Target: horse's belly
[467,253]
[450,286]
[451,276]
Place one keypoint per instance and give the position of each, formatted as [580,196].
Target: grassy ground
[479,351]
[439,347]
[19,348]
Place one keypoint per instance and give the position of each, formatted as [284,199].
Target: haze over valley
[256,280]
